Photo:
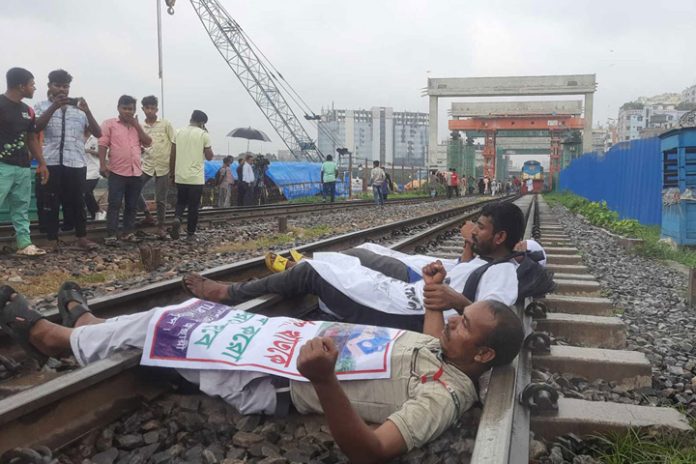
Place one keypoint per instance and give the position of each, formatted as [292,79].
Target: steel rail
[60,410]
[503,431]
[222,215]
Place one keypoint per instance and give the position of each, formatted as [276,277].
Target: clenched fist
[317,360]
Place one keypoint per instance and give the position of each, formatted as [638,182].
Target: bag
[533,279]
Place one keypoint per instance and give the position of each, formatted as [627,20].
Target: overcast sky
[353,54]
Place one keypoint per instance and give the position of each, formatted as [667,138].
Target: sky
[350,54]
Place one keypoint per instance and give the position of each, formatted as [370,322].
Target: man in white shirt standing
[64,121]
[247,181]
[377,178]
[92,152]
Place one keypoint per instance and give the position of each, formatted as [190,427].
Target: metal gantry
[231,42]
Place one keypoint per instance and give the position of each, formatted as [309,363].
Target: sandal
[130,238]
[275,262]
[31,251]
[17,318]
[71,291]
[296,255]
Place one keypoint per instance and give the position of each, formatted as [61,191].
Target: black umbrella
[249,134]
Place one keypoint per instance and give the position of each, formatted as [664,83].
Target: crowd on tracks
[456,186]
[72,151]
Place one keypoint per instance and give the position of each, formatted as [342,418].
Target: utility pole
[350,175]
[159,51]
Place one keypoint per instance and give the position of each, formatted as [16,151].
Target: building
[636,118]
[380,133]
[650,116]
[631,121]
[689,95]
[599,137]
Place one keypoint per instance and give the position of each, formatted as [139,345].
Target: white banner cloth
[200,334]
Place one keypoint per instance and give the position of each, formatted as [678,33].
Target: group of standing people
[72,150]
[454,184]
[246,180]
[457,186]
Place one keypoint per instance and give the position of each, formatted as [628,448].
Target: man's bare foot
[205,289]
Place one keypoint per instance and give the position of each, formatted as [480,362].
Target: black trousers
[242,188]
[90,201]
[188,197]
[65,186]
[302,279]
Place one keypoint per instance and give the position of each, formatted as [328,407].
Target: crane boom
[228,38]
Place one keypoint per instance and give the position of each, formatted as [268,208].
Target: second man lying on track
[351,292]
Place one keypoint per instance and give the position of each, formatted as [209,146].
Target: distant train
[534,171]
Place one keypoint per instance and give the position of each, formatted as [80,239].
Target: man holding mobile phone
[64,121]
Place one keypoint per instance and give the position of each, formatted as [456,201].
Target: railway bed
[503,423]
[212,217]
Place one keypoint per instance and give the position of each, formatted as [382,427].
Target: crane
[237,51]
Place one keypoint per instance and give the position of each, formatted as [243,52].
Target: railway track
[62,408]
[214,216]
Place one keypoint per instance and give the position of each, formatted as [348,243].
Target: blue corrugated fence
[628,177]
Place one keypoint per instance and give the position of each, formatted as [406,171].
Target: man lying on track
[358,294]
[404,266]
[425,388]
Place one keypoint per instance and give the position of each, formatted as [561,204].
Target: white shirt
[92,143]
[72,136]
[375,290]
[247,173]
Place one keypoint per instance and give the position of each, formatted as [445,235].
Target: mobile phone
[73,101]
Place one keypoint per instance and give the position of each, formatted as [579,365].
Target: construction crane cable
[306,108]
[302,105]
[277,76]
[255,75]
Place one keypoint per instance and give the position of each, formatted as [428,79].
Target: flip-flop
[296,255]
[17,318]
[275,262]
[71,291]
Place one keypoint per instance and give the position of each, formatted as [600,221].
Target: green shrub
[600,215]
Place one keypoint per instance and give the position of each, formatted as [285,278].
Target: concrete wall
[571,84]
[515,108]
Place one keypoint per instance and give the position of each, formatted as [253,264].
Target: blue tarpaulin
[295,179]
[628,177]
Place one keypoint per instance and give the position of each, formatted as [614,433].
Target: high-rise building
[380,133]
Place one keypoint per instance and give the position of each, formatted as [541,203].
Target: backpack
[533,279]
